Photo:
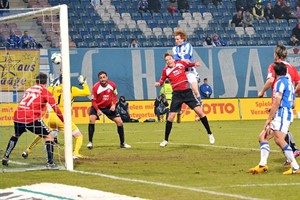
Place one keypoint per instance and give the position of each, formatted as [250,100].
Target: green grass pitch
[188,168]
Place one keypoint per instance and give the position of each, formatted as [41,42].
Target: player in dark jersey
[104,99]
[280,55]
[175,72]
[28,116]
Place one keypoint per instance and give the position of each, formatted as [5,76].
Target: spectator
[237,19]
[248,19]
[27,42]
[167,89]
[296,31]
[287,11]
[183,5]
[294,41]
[161,107]
[134,44]
[218,42]
[297,12]
[269,11]
[240,5]
[205,89]
[208,42]
[143,6]
[258,11]
[154,5]
[278,12]
[122,107]
[172,6]
[4,4]
[216,2]
[13,41]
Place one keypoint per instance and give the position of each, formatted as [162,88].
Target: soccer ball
[56,58]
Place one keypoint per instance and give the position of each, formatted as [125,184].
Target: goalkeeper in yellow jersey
[53,122]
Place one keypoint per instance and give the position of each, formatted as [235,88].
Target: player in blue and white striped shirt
[278,122]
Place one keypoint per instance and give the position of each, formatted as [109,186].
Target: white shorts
[278,124]
[192,76]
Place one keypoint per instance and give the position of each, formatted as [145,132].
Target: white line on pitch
[167,185]
[255,185]
[209,145]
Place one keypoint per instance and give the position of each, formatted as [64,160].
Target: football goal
[20,62]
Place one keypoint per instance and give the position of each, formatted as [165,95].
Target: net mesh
[19,65]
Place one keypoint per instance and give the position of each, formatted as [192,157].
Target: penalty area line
[167,185]
[255,185]
[209,145]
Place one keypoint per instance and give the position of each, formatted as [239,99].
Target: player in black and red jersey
[175,72]
[28,116]
[104,102]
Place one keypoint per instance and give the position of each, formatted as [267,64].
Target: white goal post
[62,10]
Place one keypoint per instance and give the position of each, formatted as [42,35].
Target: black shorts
[37,127]
[184,96]
[110,114]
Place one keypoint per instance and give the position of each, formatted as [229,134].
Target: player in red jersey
[280,55]
[28,116]
[104,102]
[175,72]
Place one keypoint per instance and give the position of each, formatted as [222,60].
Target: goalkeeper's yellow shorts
[54,122]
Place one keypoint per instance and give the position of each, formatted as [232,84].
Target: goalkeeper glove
[82,80]
[51,79]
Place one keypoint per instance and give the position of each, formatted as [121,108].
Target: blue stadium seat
[293,22]
[229,30]
[168,44]
[241,43]
[105,31]
[110,38]
[88,38]
[157,44]
[126,31]
[82,45]
[152,24]
[152,38]
[93,44]
[136,31]
[162,23]
[136,16]
[156,16]
[173,23]
[115,44]
[104,44]
[141,39]
[99,38]
[162,38]
[193,38]
[198,43]
[146,16]
[252,43]
[120,38]
[283,22]
[147,44]
[224,36]
[234,37]
[272,42]
[77,38]
[231,43]
[256,36]
[125,44]
[177,16]
[262,42]
[167,16]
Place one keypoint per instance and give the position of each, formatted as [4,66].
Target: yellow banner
[18,69]
[256,108]
[215,109]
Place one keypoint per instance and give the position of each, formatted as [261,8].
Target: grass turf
[188,168]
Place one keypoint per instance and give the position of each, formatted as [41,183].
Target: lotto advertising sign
[18,69]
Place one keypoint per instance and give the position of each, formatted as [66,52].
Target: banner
[18,69]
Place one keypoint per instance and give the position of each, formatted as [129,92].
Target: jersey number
[28,99]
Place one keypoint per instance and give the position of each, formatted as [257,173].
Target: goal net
[20,62]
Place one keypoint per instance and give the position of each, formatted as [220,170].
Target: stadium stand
[115,22]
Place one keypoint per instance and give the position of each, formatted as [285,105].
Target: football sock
[264,153]
[288,152]
[290,140]
[49,149]
[36,140]
[10,146]
[121,134]
[168,130]
[205,124]
[91,132]
[78,144]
